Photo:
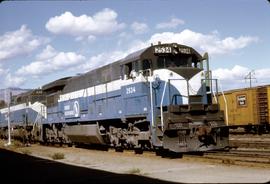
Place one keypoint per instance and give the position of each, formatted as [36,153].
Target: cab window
[176,61]
[146,64]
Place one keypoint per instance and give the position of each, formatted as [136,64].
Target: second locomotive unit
[159,97]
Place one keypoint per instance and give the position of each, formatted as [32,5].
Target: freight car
[247,109]
[157,98]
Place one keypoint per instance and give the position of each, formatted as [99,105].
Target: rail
[163,95]
[226,106]
[151,100]
[161,106]
[207,81]
[188,88]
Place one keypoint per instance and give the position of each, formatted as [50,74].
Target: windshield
[176,61]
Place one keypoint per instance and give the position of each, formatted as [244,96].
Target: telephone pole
[8,119]
[250,76]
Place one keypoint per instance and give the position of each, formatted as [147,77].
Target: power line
[250,76]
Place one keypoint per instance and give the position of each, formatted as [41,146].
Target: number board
[169,50]
[184,50]
[163,50]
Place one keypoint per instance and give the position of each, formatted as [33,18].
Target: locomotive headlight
[175,51]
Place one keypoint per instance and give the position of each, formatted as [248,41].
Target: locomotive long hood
[185,72]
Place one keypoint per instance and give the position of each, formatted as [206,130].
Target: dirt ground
[175,170]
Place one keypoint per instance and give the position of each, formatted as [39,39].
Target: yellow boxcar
[248,108]
[268,96]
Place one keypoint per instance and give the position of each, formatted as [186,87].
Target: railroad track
[251,150]
[234,156]
[259,158]
[247,157]
[250,141]
[249,144]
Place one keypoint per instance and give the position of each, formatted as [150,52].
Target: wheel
[138,151]
[119,149]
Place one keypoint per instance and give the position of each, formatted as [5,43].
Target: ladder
[262,100]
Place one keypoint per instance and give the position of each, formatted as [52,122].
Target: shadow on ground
[22,168]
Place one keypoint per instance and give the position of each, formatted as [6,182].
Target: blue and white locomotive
[159,97]
[25,114]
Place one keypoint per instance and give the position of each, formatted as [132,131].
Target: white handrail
[152,107]
[215,97]
[151,101]
[161,106]
[225,102]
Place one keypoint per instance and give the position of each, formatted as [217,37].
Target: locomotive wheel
[159,151]
[138,151]
[119,149]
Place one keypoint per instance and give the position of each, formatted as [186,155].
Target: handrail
[161,105]
[215,98]
[226,106]
[211,87]
[188,88]
[151,101]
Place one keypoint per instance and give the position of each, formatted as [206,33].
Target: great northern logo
[76,109]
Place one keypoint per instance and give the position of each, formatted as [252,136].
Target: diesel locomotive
[158,98]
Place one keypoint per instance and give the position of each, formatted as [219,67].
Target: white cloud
[173,23]
[101,60]
[91,38]
[101,23]
[19,42]
[210,43]
[50,60]
[236,73]
[2,71]
[79,38]
[8,80]
[14,81]
[235,78]
[48,52]
[139,28]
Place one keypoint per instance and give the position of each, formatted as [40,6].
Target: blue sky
[44,41]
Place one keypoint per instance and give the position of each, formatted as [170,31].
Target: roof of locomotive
[59,83]
[26,96]
[148,51]
[134,56]
[95,76]
[27,93]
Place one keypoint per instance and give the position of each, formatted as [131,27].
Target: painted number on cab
[130,90]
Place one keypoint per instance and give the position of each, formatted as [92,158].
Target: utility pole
[8,118]
[250,76]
